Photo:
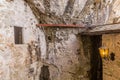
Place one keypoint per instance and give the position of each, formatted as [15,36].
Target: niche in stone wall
[45,74]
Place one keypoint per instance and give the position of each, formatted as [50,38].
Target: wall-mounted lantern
[104,52]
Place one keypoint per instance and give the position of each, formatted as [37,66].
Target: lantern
[104,52]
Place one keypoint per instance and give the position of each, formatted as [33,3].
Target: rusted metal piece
[61,25]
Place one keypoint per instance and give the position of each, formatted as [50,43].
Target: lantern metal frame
[104,52]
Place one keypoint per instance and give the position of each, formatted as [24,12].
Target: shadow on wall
[112,56]
[45,74]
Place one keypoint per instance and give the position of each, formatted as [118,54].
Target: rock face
[66,55]
[88,12]
[74,11]
[49,53]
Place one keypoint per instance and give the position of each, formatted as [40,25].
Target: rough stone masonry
[49,53]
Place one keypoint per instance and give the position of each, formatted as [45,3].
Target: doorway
[91,46]
[96,61]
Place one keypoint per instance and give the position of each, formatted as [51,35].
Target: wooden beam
[101,32]
[61,25]
[103,29]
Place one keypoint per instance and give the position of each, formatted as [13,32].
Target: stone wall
[15,59]
[111,67]
[66,56]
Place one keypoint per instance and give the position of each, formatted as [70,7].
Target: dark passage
[45,74]
[96,61]
[91,46]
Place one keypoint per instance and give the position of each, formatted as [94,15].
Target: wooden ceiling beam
[103,29]
[101,32]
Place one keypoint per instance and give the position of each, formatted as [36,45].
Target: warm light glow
[104,52]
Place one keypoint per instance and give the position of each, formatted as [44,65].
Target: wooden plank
[101,32]
[103,29]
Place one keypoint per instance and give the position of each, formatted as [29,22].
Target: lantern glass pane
[104,52]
